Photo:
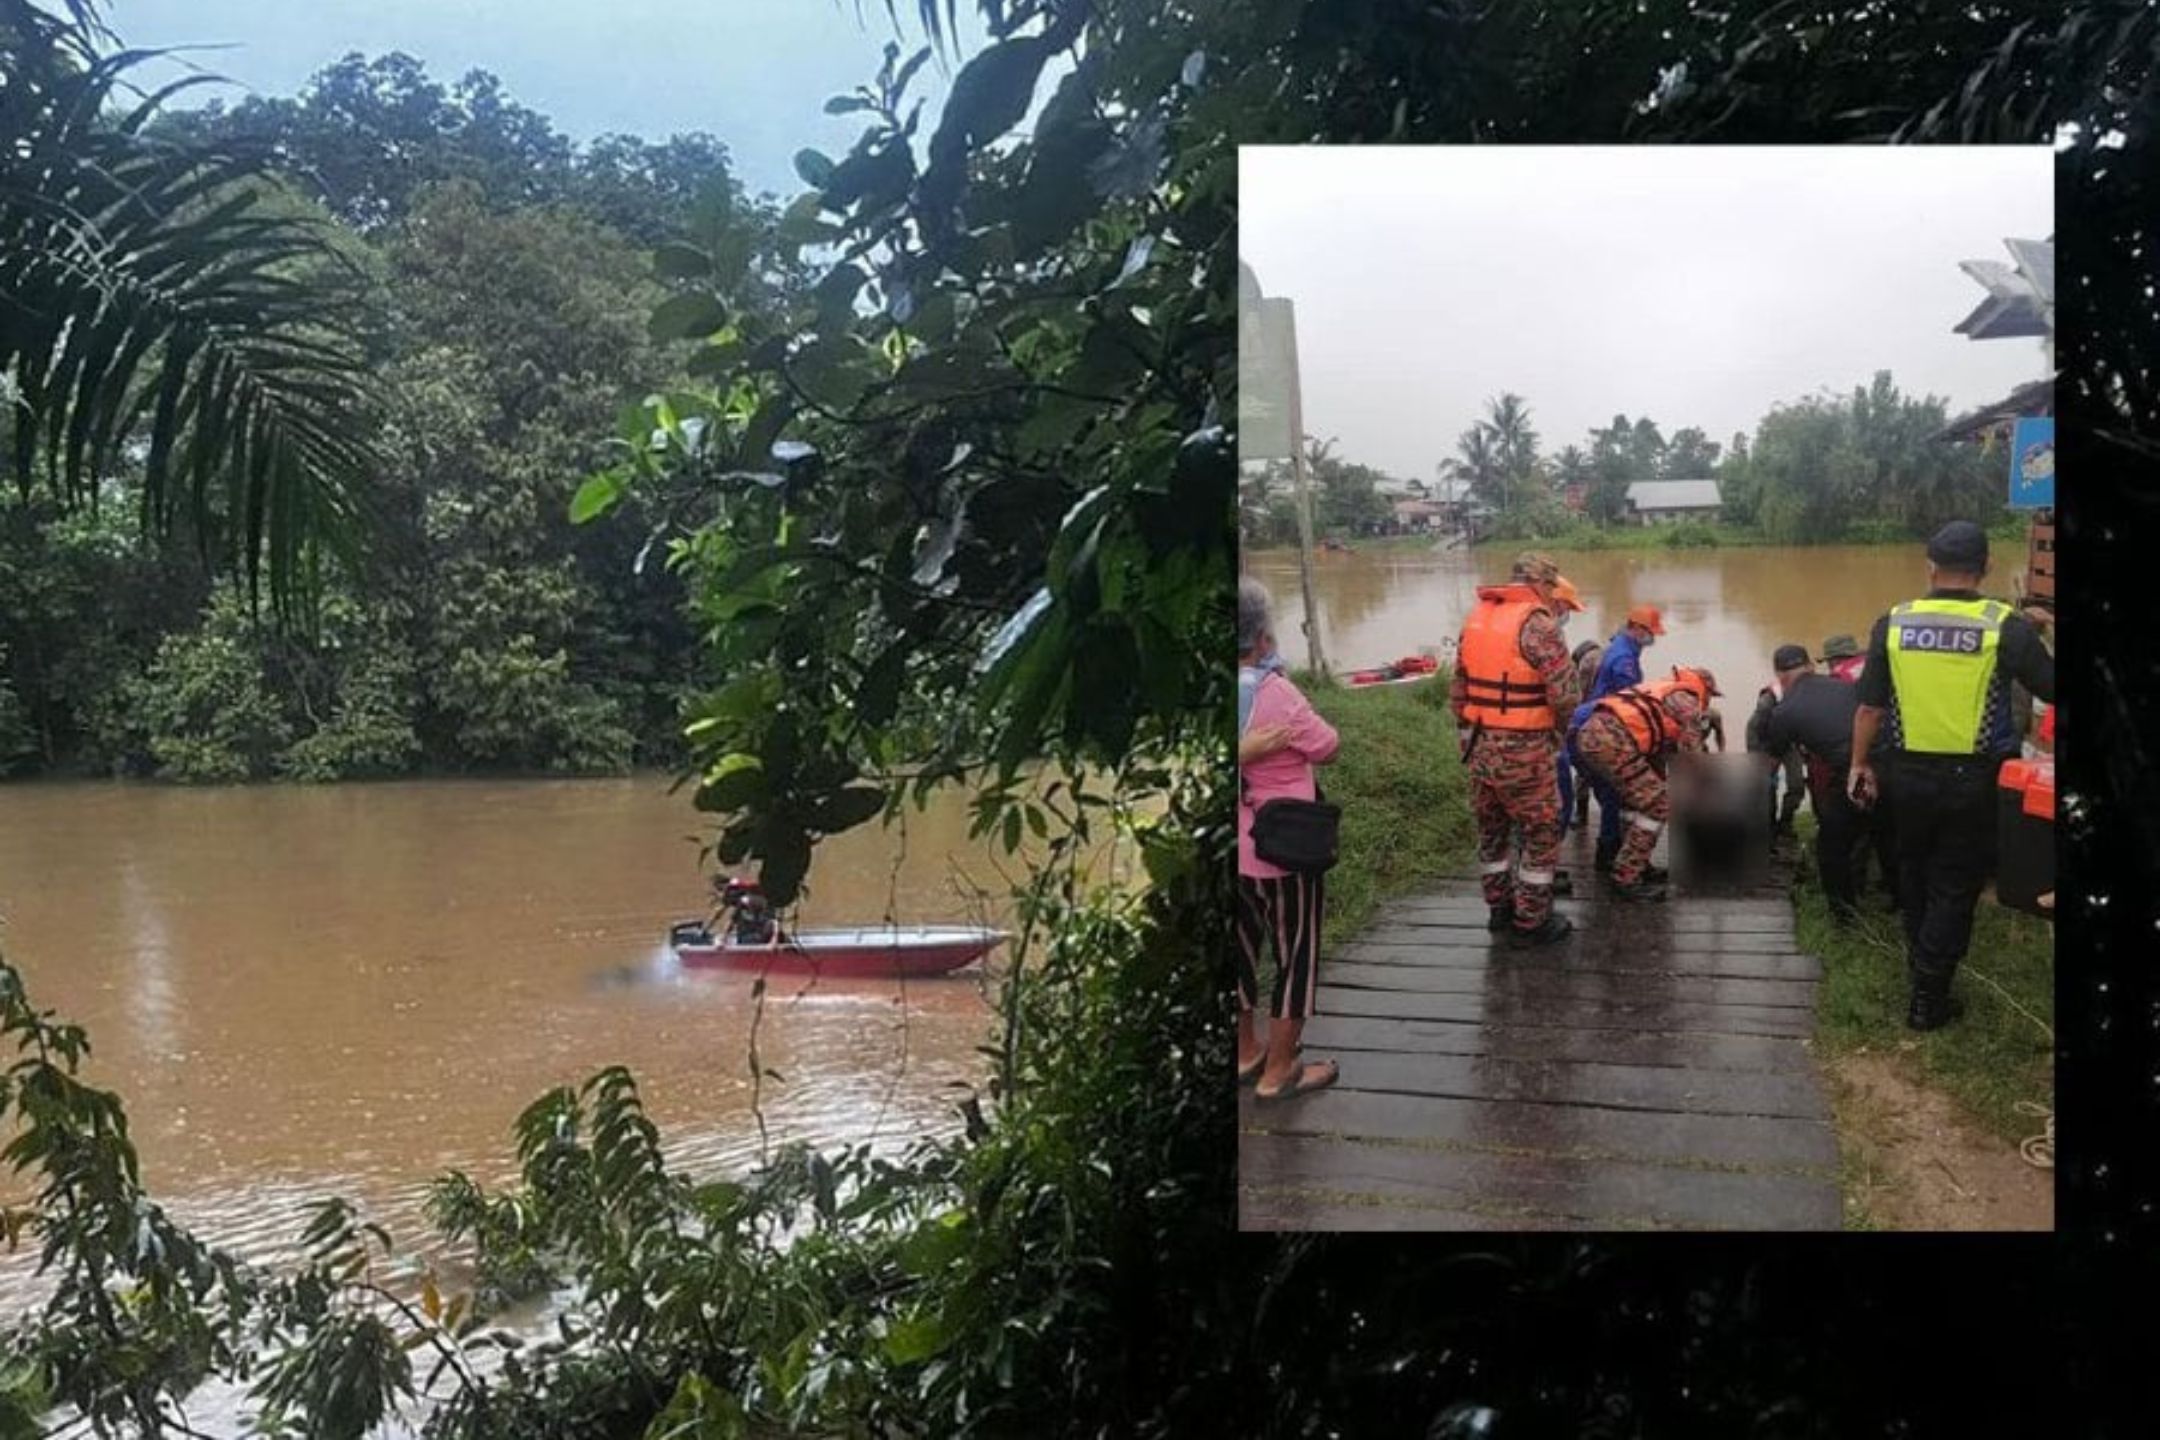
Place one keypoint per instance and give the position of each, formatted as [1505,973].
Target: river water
[1724,608]
[305,991]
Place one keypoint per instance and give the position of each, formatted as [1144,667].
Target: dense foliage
[1819,470]
[508,277]
[167,313]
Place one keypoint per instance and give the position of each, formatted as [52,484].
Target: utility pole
[1287,337]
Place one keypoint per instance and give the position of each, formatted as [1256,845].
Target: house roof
[1414,509]
[2036,398]
[1450,492]
[1674,495]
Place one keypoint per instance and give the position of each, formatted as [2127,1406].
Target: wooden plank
[1619,1087]
[1350,1034]
[1563,958]
[1667,1019]
[1280,1211]
[1573,1131]
[1589,934]
[1587,1193]
[1538,986]
[1670,918]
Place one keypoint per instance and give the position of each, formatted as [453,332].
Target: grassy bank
[2002,1052]
[1405,815]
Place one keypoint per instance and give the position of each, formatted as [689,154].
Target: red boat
[1400,672]
[899,950]
[752,939]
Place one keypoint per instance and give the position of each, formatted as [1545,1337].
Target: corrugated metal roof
[1673,494]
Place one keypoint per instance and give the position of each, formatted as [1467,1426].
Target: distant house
[1417,514]
[1666,502]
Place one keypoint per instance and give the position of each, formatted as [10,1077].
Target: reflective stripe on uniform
[1495,867]
[1943,665]
[1537,877]
[1641,821]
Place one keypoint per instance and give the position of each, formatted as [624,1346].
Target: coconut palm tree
[160,307]
[1508,419]
[1477,461]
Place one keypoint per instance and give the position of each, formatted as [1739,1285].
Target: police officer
[1514,687]
[1934,704]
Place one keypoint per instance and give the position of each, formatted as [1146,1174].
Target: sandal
[1246,1075]
[1330,1072]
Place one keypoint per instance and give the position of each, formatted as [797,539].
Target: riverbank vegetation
[1857,467]
[1406,810]
[1998,1058]
[494,284]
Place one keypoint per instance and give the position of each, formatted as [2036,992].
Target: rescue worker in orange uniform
[1514,688]
[1625,741]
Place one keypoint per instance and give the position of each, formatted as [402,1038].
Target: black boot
[1555,927]
[1932,1006]
[1562,883]
[1606,854]
[1502,917]
[1643,889]
[1655,874]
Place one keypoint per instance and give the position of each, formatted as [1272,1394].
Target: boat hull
[871,953]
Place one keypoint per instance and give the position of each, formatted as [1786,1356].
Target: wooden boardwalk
[1653,1071]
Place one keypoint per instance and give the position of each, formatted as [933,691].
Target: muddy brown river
[1724,608]
[302,991]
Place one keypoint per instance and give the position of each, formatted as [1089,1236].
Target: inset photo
[1646,689]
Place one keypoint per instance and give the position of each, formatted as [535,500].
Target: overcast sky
[756,73]
[1694,285]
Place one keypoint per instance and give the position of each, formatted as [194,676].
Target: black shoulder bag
[1301,836]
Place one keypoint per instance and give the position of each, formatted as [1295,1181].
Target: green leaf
[878,698]
[915,1339]
[849,808]
[990,94]
[677,261]
[687,317]
[735,781]
[595,498]
[699,1410]
[815,167]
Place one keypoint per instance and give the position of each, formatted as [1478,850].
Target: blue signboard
[2032,464]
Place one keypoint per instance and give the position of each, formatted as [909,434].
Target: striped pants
[1283,913]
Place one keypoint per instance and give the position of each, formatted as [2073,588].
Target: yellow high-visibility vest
[1943,656]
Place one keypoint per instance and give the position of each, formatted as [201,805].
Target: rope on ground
[1867,933]
[2038,1150]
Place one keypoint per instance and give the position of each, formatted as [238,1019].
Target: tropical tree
[1689,455]
[1507,418]
[168,318]
[1476,462]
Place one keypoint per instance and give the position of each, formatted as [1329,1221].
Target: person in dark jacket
[1935,712]
[1782,810]
[1812,722]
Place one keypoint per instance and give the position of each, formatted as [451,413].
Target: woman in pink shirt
[1280,739]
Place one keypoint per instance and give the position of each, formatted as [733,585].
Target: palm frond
[154,301]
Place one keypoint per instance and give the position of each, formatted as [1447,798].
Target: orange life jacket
[1500,689]
[1642,708]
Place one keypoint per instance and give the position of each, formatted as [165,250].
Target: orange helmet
[1701,681]
[1648,617]
[1566,595]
